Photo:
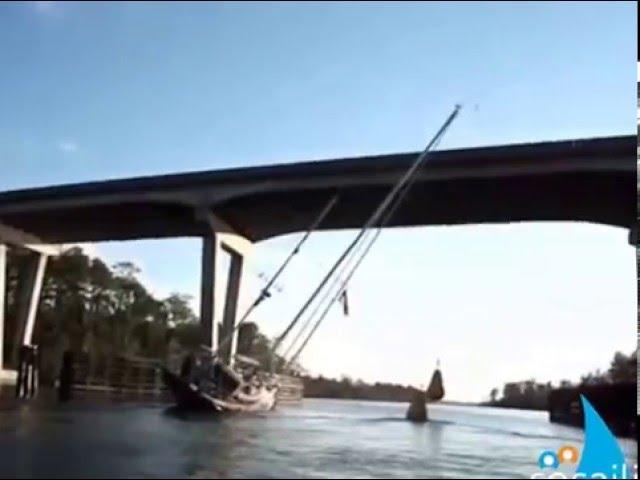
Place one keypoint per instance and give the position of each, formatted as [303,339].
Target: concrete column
[30,291]
[231,304]
[212,293]
[207,292]
[3,293]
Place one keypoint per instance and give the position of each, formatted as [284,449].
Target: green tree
[623,368]
[177,309]
[101,311]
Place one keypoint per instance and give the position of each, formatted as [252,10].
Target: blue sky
[94,91]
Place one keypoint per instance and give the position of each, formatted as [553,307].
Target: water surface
[320,438]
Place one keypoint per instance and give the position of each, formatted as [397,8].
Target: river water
[320,438]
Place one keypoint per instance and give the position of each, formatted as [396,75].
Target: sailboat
[207,382]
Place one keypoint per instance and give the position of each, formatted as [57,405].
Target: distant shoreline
[535,408]
[449,403]
[452,403]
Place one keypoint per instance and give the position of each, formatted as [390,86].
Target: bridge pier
[231,299]
[207,292]
[220,290]
[28,300]
[30,288]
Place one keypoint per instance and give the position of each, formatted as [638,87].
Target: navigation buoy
[417,411]
[418,408]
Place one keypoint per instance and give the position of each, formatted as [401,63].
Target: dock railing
[117,374]
[291,389]
[130,376]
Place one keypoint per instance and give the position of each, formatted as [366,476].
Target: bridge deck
[590,180]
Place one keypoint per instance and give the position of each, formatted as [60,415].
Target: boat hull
[188,397]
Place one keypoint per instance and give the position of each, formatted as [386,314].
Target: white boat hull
[189,397]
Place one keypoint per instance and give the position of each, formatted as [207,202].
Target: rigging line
[402,194]
[333,300]
[337,278]
[264,292]
[373,219]
[335,297]
[388,216]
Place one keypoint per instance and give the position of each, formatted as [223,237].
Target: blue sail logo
[601,456]
[601,452]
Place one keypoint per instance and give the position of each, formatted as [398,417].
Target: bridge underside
[590,180]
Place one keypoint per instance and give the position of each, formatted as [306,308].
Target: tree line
[99,311]
[533,395]
[346,388]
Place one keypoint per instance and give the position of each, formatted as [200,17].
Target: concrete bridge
[586,180]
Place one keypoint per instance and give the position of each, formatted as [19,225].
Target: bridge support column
[29,298]
[221,290]
[30,287]
[230,313]
[207,292]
